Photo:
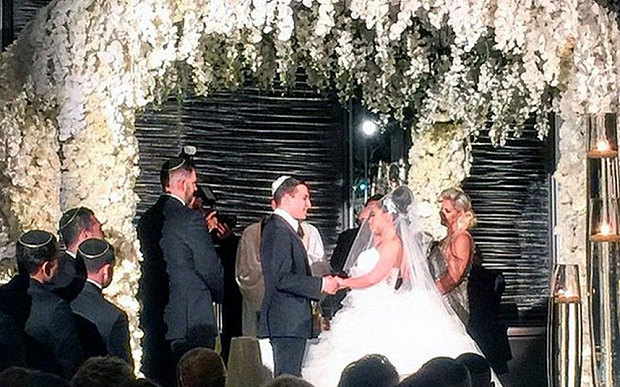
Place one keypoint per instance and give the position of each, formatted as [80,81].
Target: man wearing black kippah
[110,320]
[181,275]
[75,226]
[53,344]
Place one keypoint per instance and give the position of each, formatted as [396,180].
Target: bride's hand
[341,282]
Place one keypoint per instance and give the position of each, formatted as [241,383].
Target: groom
[286,313]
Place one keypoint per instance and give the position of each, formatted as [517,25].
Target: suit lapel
[296,239]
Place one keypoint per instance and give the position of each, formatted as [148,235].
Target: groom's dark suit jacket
[289,286]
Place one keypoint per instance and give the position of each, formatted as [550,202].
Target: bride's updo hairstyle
[398,201]
[462,202]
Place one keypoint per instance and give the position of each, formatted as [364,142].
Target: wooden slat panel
[510,191]
[244,142]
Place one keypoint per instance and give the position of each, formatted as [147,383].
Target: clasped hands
[331,284]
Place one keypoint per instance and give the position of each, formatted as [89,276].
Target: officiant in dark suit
[286,312]
[181,274]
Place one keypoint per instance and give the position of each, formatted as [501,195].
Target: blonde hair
[462,202]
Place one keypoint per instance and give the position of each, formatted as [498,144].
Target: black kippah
[95,248]
[174,164]
[35,239]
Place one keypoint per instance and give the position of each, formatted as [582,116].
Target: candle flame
[605,229]
[602,145]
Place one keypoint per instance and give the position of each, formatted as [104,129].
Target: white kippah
[277,183]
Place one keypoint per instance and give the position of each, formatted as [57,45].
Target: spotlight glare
[369,128]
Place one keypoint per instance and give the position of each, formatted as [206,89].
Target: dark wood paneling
[245,141]
[510,191]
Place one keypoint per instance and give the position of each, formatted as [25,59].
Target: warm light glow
[605,229]
[369,128]
[602,145]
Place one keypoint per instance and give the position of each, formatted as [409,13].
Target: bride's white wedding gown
[408,327]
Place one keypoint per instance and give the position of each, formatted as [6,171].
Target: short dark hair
[73,222]
[288,186]
[170,166]
[201,367]
[33,249]
[286,380]
[478,366]
[95,253]
[24,377]
[373,198]
[371,370]
[447,370]
[100,371]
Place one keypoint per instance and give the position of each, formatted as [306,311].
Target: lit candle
[566,295]
[605,234]
[603,149]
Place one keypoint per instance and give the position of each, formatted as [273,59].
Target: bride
[393,308]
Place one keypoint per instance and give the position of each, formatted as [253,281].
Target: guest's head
[292,195]
[76,225]
[102,371]
[370,370]
[479,369]
[288,381]
[443,371]
[456,209]
[178,177]
[24,377]
[201,367]
[365,211]
[37,254]
[98,256]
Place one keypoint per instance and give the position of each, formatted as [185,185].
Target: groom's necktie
[300,231]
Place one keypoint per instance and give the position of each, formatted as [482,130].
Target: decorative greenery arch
[72,83]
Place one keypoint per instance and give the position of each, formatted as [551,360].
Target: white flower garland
[70,87]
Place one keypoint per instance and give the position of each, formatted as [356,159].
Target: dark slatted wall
[245,141]
[24,11]
[510,190]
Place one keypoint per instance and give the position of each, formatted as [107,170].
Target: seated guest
[102,371]
[478,367]
[24,377]
[286,380]
[75,226]
[51,327]
[201,367]
[370,370]
[110,320]
[439,372]
[12,352]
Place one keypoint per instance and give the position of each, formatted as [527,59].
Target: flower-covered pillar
[440,158]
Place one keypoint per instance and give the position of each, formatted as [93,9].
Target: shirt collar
[94,283]
[70,253]
[176,197]
[288,217]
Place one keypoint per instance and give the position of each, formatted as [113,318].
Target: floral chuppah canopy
[71,85]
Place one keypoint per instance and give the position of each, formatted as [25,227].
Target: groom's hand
[330,285]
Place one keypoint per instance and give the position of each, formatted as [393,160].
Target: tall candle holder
[564,328]
[603,247]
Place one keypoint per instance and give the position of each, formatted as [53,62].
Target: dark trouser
[288,354]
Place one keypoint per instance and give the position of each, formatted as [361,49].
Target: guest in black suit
[195,274]
[54,344]
[15,306]
[153,294]
[110,320]
[286,312]
[347,237]
[75,226]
